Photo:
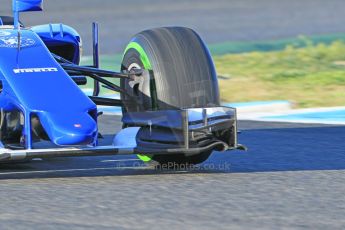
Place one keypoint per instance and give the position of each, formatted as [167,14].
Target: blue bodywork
[36,85]
[61,39]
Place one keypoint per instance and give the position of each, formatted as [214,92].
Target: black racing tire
[183,76]
[180,160]
[183,70]
[8,21]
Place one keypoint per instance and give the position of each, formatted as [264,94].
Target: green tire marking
[145,158]
[143,56]
[147,65]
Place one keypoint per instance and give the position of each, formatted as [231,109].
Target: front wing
[185,125]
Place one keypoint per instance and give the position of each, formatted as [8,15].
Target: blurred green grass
[309,71]
[273,45]
[312,76]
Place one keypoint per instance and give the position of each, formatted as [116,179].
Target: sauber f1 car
[168,85]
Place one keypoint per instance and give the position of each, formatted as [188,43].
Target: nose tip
[74,139]
[82,133]
[79,129]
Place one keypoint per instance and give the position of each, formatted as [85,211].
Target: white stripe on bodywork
[35,70]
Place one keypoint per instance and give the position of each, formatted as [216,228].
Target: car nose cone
[71,129]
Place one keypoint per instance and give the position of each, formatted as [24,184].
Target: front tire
[180,160]
[184,76]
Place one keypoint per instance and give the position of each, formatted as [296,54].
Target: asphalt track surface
[216,20]
[292,177]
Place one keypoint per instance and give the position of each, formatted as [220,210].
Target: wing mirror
[24,6]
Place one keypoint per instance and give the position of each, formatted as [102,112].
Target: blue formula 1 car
[168,87]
